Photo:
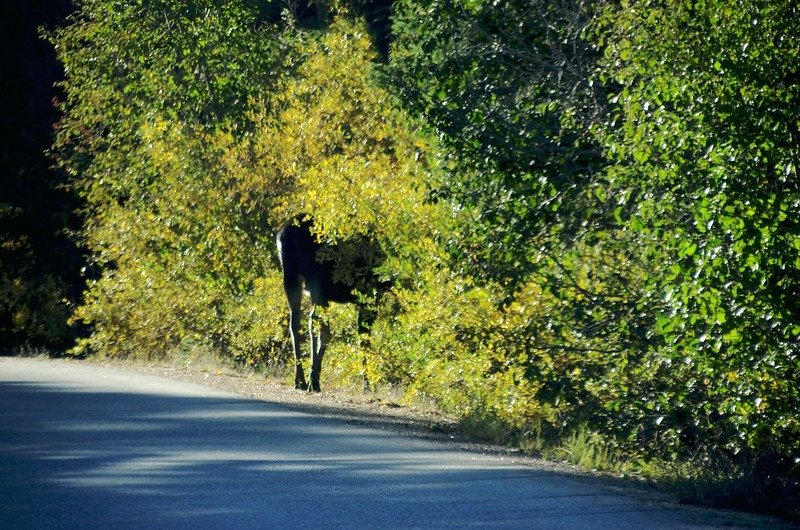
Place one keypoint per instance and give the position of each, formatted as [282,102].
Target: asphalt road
[87,446]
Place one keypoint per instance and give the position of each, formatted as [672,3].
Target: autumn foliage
[589,209]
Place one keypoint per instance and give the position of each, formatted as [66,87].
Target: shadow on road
[89,458]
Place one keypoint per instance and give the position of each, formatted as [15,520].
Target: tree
[506,86]
[150,87]
[704,139]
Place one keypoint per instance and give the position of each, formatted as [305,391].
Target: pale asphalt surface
[89,446]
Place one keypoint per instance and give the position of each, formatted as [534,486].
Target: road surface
[88,446]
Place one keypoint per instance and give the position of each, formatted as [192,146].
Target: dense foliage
[150,89]
[635,168]
[589,209]
[703,140]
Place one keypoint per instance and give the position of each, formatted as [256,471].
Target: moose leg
[312,337]
[365,319]
[318,349]
[294,296]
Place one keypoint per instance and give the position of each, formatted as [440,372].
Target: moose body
[311,266]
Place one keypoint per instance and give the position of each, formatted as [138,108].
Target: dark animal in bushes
[342,273]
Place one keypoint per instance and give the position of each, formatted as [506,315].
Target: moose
[340,273]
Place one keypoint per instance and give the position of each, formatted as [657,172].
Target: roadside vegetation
[589,209]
